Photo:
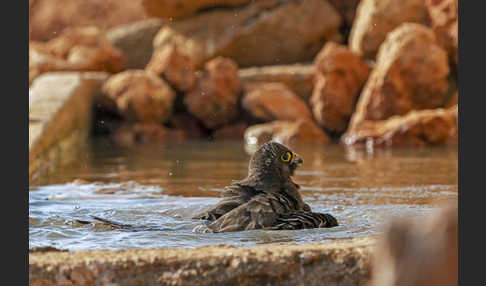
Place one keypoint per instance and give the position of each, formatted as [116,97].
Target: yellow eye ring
[286,157]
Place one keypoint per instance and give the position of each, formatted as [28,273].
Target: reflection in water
[163,186]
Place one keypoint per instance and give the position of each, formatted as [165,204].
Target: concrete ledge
[60,106]
[340,263]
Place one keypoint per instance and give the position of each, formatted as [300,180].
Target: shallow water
[160,187]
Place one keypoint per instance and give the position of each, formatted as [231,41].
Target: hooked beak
[296,159]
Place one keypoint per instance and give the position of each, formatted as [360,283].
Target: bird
[266,199]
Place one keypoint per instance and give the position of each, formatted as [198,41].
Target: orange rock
[183,8]
[410,73]
[214,99]
[274,101]
[233,132]
[142,133]
[286,132]
[187,123]
[47,22]
[443,16]
[415,129]
[419,252]
[347,9]
[140,96]
[453,100]
[340,75]
[76,49]
[261,33]
[376,18]
[175,67]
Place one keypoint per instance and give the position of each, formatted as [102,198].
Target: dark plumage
[267,198]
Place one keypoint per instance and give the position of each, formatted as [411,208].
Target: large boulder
[376,18]
[419,251]
[135,40]
[340,75]
[274,101]
[261,33]
[297,77]
[76,49]
[433,127]
[410,73]
[48,18]
[173,9]
[289,133]
[443,17]
[140,96]
[214,99]
[175,67]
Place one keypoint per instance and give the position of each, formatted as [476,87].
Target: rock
[415,129]
[410,73]
[340,75]
[182,8]
[443,17]
[214,99]
[453,100]
[297,77]
[274,101]
[46,21]
[175,67]
[347,9]
[232,132]
[286,132]
[143,133]
[256,34]
[77,49]
[188,124]
[140,96]
[135,40]
[376,18]
[419,252]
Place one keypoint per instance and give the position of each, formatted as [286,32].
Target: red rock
[419,252]
[410,74]
[76,49]
[140,96]
[214,99]
[443,16]
[175,67]
[415,129]
[47,22]
[142,133]
[233,132]
[274,101]
[289,133]
[340,75]
[376,18]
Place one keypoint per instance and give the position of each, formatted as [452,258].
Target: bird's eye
[286,157]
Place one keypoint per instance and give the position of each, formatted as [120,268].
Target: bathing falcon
[267,198]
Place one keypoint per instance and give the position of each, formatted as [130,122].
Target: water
[160,187]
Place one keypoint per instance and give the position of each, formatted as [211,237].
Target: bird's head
[274,161]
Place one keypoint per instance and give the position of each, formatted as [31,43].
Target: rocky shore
[366,73]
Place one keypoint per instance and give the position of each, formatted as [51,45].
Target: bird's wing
[302,219]
[233,197]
